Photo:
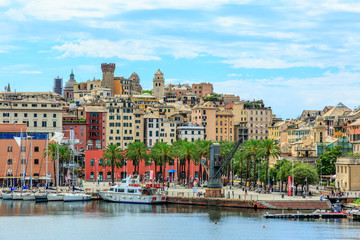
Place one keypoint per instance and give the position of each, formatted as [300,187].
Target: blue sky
[294,55]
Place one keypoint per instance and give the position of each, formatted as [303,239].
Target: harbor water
[102,220]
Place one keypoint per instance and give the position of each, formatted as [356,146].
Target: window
[23,161]
[35,123]
[92,175]
[23,148]
[35,114]
[54,124]
[9,149]
[5,114]
[45,115]
[9,161]
[36,149]
[108,175]
[36,161]
[100,162]
[25,114]
[43,124]
[92,162]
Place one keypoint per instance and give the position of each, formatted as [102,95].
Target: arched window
[321,137]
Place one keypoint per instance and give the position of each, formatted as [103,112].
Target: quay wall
[266,204]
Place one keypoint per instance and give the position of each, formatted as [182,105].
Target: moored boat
[55,196]
[28,196]
[131,191]
[7,196]
[17,196]
[72,197]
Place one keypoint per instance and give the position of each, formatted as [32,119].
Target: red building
[79,128]
[15,161]
[96,127]
[94,170]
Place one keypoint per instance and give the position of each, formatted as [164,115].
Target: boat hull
[41,198]
[55,197]
[28,197]
[17,196]
[132,198]
[77,197]
[7,196]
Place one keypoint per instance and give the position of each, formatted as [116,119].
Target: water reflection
[106,209]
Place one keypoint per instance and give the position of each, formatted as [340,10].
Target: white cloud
[270,63]
[30,72]
[131,49]
[234,75]
[294,94]
[15,14]
[66,9]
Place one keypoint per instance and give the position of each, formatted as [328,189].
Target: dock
[321,215]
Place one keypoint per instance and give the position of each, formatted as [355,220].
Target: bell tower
[158,85]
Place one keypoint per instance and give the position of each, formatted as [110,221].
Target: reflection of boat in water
[131,191]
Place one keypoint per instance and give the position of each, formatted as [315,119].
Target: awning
[171,171]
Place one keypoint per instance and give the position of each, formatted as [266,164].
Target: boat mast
[47,159]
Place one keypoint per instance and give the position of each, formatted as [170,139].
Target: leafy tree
[112,157]
[304,173]
[270,149]
[136,152]
[252,150]
[326,165]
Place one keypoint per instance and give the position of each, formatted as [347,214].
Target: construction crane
[218,163]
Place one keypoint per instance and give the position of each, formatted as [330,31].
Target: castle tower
[69,87]
[319,130]
[158,85]
[108,76]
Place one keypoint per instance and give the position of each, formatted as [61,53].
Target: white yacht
[131,191]
[72,197]
[6,196]
[55,196]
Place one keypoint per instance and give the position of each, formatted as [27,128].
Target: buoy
[263,226]
[215,222]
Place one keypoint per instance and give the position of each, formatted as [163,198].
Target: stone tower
[158,85]
[108,70]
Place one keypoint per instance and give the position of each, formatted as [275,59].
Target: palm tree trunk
[54,170]
[254,173]
[112,171]
[266,172]
[188,172]
[200,173]
[247,172]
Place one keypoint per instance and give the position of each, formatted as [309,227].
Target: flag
[18,140]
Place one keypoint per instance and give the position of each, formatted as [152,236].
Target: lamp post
[232,173]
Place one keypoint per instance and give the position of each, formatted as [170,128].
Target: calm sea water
[101,220]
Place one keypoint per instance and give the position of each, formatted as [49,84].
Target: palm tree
[188,151]
[161,153]
[136,152]
[64,154]
[203,152]
[175,149]
[51,152]
[112,157]
[251,149]
[269,149]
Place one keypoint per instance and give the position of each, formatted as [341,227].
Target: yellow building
[224,126]
[348,174]
[144,101]
[205,115]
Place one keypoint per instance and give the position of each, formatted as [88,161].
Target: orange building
[14,163]
[224,126]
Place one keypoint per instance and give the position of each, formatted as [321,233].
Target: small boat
[72,197]
[28,196]
[17,196]
[55,196]
[131,191]
[7,196]
[42,197]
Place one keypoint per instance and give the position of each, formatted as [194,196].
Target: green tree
[136,152]
[161,154]
[64,155]
[203,152]
[188,152]
[252,150]
[304,174]
[269,149]
[112,157]
[326,165]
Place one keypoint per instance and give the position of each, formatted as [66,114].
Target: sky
[294,55]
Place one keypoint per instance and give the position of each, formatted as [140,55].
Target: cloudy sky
[295,55]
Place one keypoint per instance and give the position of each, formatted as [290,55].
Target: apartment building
[224,126]
[190,132]
[96,126]
[205,116]
[39,115]
[202,89]
[159,130]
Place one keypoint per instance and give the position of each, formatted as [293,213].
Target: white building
[190,132]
